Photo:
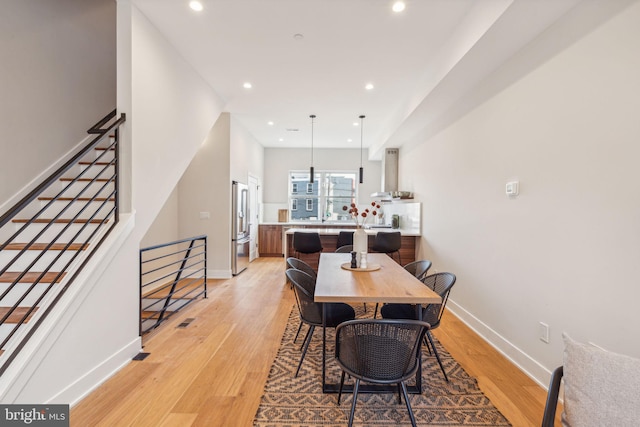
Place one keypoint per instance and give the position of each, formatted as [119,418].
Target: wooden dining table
[391,283]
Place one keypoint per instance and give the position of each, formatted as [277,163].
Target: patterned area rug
[289,401]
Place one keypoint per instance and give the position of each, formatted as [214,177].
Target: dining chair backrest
[298,264]
[304,287]
[380,350]
[440,283]
[345,249]
[418,268]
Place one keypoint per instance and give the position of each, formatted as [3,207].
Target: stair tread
[17,314]
[42,246]
[163,293]
[104,149]
[30,277]
[79,199]
[148,315]
[58,221]
[95,164]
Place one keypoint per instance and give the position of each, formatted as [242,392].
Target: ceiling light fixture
[355,123]
[313,116]
[369,86]
[398,6]
[247,85]
[270,123]
[196,5]
[361,131]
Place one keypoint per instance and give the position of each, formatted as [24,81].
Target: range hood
[389,175]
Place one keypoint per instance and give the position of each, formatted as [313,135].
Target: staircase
[49,235]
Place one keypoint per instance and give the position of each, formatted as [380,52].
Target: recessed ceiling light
[196,5]
[369,86]
[298,36]
[281,139]
[247,85]
[398,6]
[270,123]
[349,140]
[356,123]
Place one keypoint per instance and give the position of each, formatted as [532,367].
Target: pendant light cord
[361,178]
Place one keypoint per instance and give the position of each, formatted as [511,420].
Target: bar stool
[388,243]
[306,243]
[344,238]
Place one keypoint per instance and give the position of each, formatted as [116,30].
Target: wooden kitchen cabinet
[270,240]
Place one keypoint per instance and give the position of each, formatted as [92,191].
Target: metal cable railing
[172,275]
[56,233]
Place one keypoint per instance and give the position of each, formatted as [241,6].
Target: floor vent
[141,356]
[186,322]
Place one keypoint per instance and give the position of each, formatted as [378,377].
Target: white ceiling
[424,58]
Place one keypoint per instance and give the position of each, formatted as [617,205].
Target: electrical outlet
[544,332]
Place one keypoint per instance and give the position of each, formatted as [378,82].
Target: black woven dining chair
[311,311]
[298,264]
[381,352]
[440,283]
[418,269]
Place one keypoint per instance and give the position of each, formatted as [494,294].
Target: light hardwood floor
[212,373]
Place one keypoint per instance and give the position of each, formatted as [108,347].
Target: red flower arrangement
[361,217]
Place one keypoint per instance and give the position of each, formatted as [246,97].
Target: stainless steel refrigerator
[240,236]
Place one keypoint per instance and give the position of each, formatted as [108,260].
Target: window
[324,197]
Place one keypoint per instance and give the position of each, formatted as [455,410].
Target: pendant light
[313,116]
[361,131]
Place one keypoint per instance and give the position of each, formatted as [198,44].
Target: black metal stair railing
[172,275]
[56,233]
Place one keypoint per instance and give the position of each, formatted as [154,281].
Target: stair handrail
[175,277]
[101,215]
[95,129]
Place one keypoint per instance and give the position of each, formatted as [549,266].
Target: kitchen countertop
[335,231]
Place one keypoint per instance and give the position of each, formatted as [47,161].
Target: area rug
[300,402]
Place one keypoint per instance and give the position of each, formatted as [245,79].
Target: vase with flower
[360,238]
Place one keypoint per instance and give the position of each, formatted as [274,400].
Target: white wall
[229,153]
[170,111]
[247,154]
[279,161]
[173,110]
[206,187]
[566,250]
[58,78]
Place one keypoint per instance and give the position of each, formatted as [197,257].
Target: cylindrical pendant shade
[361,175]
[311,174]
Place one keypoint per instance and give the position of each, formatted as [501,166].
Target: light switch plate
[512,188]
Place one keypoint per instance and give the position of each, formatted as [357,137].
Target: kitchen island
[329,239]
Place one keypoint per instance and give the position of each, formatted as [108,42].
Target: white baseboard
[523,361]
[82,387]
[219,274]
